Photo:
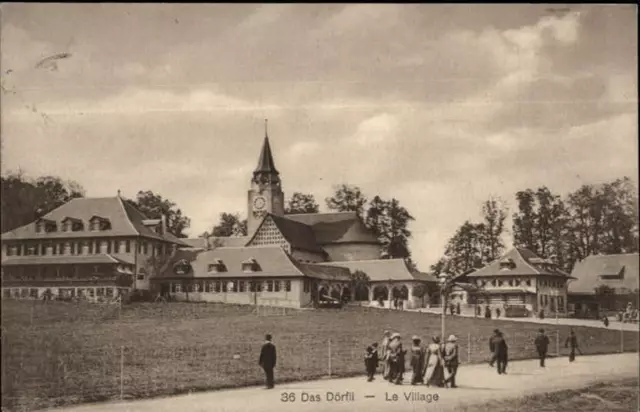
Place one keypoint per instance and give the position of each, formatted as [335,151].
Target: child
[371,360]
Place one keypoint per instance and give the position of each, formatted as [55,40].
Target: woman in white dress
[434,373]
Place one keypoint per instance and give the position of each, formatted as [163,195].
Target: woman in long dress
[434,374]
[417,361]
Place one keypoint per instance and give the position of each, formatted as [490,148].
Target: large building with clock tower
[293,260]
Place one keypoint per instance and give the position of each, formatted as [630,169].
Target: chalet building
[286,260]
[520,277]
[618,273]
[93,247]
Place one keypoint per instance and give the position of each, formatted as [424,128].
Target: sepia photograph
[273,207]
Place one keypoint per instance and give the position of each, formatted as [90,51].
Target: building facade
[293,260]
[604,283]
[96,248]
[520,277]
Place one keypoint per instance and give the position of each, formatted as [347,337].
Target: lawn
[57,353]
[621,396]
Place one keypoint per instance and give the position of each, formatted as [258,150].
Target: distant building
[618,273]
[91,247]
[523,278]
[292,260]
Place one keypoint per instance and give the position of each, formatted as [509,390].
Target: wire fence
[42,370]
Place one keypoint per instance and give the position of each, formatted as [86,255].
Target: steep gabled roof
[336,227]
[524,262]
[299,235]
[381,270]
[620,272]
[125,220]
[102,258]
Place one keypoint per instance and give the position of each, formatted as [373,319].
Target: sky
[439,106]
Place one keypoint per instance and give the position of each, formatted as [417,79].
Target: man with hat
[384,354]
[542,345]
[268,360]
[396,359]
[499,348]
[417,361]
[451,361]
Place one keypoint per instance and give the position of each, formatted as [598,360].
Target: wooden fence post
[121,372]
[469,347]
[329,343]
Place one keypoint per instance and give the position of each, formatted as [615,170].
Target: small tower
[265,194]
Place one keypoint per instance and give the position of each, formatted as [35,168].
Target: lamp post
[443,280]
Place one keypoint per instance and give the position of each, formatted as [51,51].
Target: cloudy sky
[440,106]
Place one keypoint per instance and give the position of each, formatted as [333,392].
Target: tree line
[594,219]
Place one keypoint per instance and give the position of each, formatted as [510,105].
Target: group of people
[435,364]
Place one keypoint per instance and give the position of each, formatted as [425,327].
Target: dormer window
[217,266]
[46,226]
[250,265]
[506,264]
[97,223]
[72,224]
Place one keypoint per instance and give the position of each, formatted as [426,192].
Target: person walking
[451,361]
[384,352]
[268,360]
[418,355]
[371,361]
[434,373]
[572,343]
[605,320]
[499,348]
[396,359]
[542,346]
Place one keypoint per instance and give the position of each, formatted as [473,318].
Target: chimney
[163,224]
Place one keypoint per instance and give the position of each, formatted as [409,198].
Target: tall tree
[396,234]
[347,198]
[230,224]
[375,219]
[23,199]
[301,203]
[464,251]
[494,214]
[154,206]
[524,220]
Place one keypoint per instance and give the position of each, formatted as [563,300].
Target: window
[61,248]
[208,287]
[217,286]
[33,293]
[140,276]
[99,291]
[77,226]
[178,287]
[500,283]
[510,282]
[145,247]
[528,282]
[494,282]
[105,224]
[224,287]
[241,286]
[108,246]
[10,249]
[19,250]
[91,292]
[276,285]
[269,286]
[305,285]
[109,292]
[287,285]
[116,246]
[127,246]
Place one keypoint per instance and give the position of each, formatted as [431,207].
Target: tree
[360,283]
[463,253]
[301,203]
[388,220]
[24,200]
[154,206]
[230,225]
[347,198]
[494,214]
[375,219]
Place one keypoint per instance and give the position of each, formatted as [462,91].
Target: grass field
[57,353]
[621,396]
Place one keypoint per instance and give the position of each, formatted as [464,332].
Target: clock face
[259,203]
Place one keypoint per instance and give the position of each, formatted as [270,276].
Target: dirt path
[478,384]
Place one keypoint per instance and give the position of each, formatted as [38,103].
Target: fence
[147,352]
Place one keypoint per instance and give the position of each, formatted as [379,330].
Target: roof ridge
[250,247]
[363,260]
[320,213]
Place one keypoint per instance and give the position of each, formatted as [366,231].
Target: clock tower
[265,195]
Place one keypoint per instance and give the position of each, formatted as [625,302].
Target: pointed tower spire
[265,162]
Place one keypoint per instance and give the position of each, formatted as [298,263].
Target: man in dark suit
[542,345]
[268,360]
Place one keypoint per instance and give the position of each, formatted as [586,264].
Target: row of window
[78,247]
[61,272]
[503,282]
[35,293]
[545,300]
[231,286]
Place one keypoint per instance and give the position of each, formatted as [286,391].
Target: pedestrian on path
[418,355]
[384,347]
[605,320]
[498,345]
[434,372]
[542,346]
[572,343]
[371,361]
[451,361]
[268,360]
[396,359]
